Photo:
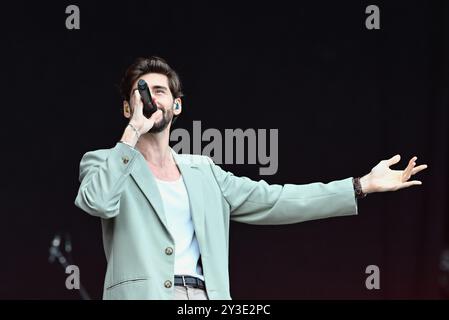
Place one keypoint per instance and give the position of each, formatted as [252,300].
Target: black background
[342,97]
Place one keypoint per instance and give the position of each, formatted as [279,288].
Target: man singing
[165,216]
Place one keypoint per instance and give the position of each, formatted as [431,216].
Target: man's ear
[126,109]
[177,106]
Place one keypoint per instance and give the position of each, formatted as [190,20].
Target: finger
[394,160]
[419,168]
[408,171]
[409,184]
[412,162]
[138,104]
[137,96]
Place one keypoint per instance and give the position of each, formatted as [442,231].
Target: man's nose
[158,105]
[155,101]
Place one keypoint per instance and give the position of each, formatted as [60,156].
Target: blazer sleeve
[257,202]
[102,176]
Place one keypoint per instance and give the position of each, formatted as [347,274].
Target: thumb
[394,160]
[156,115]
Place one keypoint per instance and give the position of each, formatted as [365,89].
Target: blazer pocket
[126,282]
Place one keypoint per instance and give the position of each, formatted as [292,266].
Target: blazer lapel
[147,184]
[193,180]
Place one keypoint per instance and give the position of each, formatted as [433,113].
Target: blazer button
[125,160]
[169,251]
[167,284]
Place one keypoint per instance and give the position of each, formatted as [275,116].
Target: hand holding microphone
[144,110]
[139,123]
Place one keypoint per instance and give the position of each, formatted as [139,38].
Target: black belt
[190,282]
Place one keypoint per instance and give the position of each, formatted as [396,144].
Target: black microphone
[148,106]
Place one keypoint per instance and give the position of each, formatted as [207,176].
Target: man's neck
[155,148]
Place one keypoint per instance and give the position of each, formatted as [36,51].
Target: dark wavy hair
[143,66]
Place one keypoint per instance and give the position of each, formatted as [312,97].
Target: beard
[163,123]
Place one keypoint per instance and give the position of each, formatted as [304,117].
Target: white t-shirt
[179,218]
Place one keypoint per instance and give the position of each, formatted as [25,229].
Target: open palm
[382,178]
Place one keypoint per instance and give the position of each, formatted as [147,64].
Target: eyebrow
[159,87]
[153,88]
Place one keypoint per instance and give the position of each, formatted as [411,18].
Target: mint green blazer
[118,186]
